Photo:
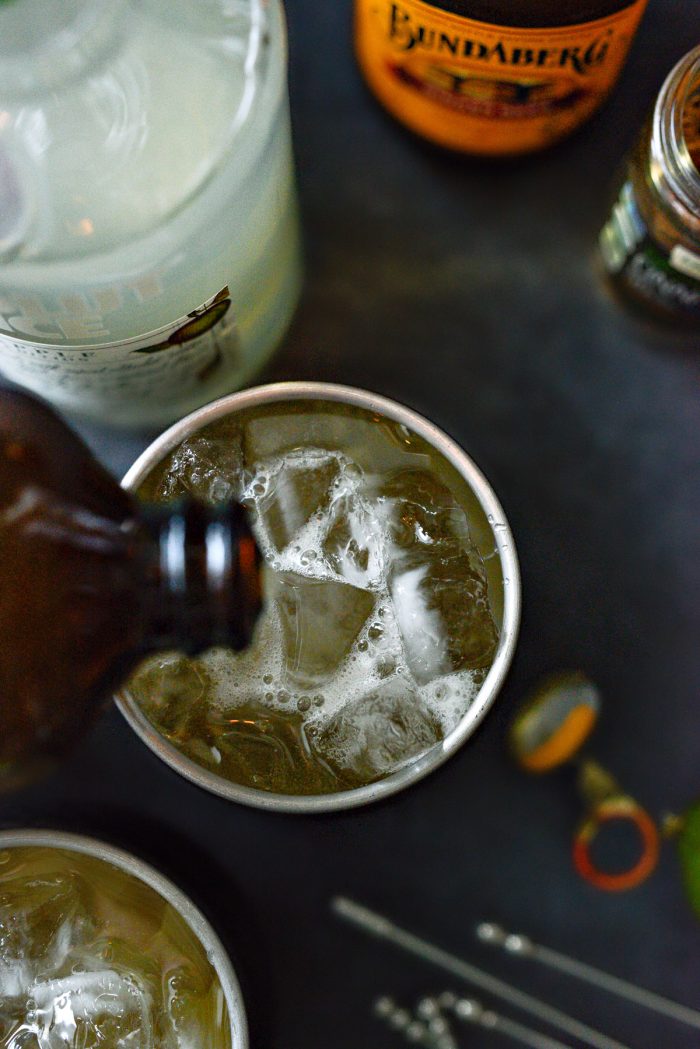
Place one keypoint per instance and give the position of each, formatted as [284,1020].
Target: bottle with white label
[650,245]
[149,249]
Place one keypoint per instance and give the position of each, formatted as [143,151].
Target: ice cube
[209,467]
[373,443]
[295,489]
[444,615]
[425,513]
[15,1032]
[267,750]
[93,1009]
[259,747]
[49,912]
[188,1005]
[422,628]
[172,691]
[376,734]
[277,434]
[437,580]
[354,545]
[320,620]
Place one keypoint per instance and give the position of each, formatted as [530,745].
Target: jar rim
[669,148]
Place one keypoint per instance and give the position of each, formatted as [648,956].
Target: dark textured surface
[468,292]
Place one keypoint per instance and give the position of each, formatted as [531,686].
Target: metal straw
[382,928]
[524,947]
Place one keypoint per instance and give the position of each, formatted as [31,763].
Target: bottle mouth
[675,141]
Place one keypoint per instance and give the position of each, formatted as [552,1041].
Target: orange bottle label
[483,88]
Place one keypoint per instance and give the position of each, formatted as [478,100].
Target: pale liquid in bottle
[148,219]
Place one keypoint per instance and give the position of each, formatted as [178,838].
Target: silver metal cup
[51,839]
[489,526]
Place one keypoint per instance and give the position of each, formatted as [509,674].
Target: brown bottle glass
[91,581]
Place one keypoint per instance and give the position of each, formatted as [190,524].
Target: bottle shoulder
[532,14]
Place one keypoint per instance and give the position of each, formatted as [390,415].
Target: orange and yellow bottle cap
[555,722]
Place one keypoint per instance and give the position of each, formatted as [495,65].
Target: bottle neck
[45,45]
[672,167]
[532,14]
[201,577]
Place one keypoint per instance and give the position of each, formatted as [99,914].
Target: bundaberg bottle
[493,77]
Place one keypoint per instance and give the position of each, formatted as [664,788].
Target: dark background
[469,292]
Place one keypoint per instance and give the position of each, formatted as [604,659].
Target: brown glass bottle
[91,581]
[493,77]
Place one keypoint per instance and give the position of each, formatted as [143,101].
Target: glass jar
[493,77]
[148,224]
[650,246]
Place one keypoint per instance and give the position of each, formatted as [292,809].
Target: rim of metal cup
[219,959]
[440,752]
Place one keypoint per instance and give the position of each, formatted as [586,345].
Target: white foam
[449,697]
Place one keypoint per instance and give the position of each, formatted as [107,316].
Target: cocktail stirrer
[524,947]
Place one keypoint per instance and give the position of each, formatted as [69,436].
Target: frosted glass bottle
[149,255]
